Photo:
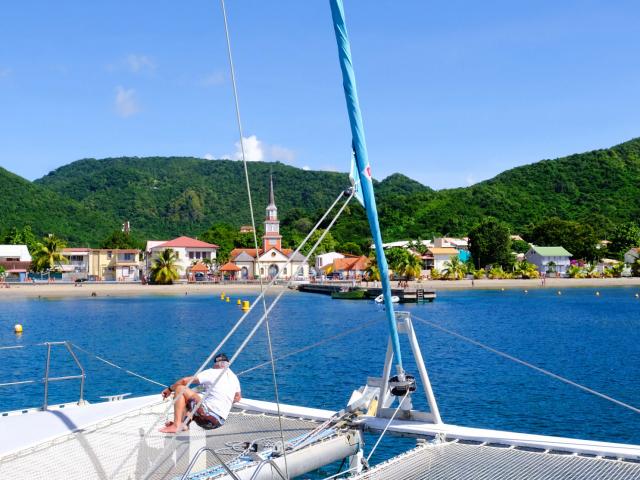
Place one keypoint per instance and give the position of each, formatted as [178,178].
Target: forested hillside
[164,197]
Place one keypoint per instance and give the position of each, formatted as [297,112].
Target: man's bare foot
[169,423]
[173,429]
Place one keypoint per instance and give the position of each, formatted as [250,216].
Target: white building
[632,255]
[271,259]
[441,255]
[16,261]
[325,259]
[188,250]
[549,260]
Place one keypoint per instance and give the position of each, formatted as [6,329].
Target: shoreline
[52,290]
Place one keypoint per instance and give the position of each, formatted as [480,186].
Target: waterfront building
[189,251]
[101,264]
[16,261]
[632,255]
[349,267]
[439,256]
[325,259]
[549,260]
[271,259]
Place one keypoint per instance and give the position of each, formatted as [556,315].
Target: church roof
[249,251]
[272,201]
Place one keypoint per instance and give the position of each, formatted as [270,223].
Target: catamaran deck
[468,461]
[72,446]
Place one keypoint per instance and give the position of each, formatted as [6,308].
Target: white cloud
[139,63]
[126,102]
[213,79]
[5,72]
[208,156]
[253,151]
[306,167]
[470,179]
[281,154]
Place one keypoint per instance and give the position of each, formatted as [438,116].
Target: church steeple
[272,238]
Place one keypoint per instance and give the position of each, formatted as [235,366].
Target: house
[325,259]
[271,260]
[16,261]
[550,260]
[114,264]
[632,255]
[189,251]
[246,229]
[77,265]
[350,267]
[440,255]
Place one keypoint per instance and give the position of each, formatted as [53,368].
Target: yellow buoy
[239,302]
[222,296]
[228,300]
[502,289]
[17,328]
[246,305]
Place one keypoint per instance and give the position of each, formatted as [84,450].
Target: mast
[362,166]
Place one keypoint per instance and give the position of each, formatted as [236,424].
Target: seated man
[216,400]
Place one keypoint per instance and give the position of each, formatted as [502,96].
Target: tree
[15,236]
[164,270]
[409,266]
[635,268]
[119,239]
[48,254]
[578,238]
[490,243]
[351,248]
[525,269]
[328,244]
[454,269]
[372,273]
[2,272]
[520,246]
[623,237]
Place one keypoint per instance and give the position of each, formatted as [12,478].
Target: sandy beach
[61,290]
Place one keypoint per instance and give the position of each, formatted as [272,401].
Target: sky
[452,93]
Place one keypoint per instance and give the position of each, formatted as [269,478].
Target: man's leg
[180,408]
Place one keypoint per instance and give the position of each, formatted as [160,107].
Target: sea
[589,337]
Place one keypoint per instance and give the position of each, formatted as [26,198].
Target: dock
[406,295]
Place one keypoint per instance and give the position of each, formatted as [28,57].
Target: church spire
[272,200]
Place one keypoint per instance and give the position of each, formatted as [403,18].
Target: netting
[463,461]
[106,450]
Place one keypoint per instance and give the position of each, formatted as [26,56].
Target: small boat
[346,294]
[394,299]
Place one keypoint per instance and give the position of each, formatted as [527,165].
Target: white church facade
[270,260]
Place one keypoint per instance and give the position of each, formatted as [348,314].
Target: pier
[406,295]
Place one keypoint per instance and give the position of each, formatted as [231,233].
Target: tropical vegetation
[47,255]
[164,269]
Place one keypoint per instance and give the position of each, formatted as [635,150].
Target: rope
[387,425]
[309,347]
[253,225]
[104,360]
[529,365]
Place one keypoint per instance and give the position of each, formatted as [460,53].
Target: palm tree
[454,268]
[591,270]
[48,254]
[164,270]
[2,272]
[575,271]
[372,272]
[410,266]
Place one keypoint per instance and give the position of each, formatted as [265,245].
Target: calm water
[589,339]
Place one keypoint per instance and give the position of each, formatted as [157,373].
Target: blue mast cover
[361,174]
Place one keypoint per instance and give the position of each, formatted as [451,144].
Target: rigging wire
[527,364]
[253,225]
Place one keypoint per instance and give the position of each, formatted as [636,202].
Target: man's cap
[221,357]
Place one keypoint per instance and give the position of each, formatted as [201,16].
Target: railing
[47,378]
[213,452]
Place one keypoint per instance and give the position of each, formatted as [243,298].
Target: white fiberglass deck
[108,440]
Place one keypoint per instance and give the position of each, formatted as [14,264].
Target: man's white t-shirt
[219,398]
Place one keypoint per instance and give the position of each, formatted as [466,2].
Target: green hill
[26,203]
[164,197]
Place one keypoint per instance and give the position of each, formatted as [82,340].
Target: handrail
[273,465]
[47,378]
[197,455]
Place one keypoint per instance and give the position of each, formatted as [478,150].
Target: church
[272,258]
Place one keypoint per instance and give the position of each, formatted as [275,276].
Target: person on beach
[221,391]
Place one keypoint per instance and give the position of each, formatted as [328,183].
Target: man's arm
[237,397]
[183,381]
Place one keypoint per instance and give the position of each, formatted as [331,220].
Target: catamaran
[118,438]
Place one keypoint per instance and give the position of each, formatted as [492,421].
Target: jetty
[406,295]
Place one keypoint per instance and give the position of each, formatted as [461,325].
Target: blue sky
[452,92]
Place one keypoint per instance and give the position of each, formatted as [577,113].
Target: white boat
[394,299]
[118,438]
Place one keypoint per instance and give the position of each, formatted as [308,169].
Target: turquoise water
[593,340]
